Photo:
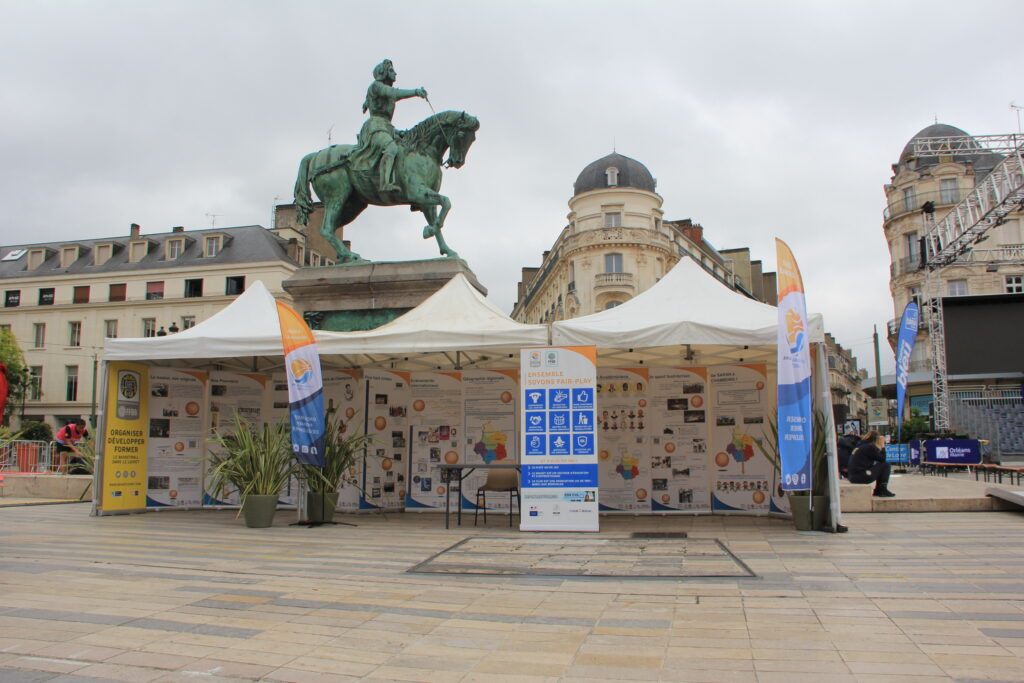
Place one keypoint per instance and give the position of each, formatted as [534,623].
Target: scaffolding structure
[951,240]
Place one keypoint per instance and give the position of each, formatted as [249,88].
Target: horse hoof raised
[429,232]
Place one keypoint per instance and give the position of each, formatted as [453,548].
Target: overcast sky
[759,120]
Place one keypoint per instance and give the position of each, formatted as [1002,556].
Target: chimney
[695,233]
[135,231]
[178,228]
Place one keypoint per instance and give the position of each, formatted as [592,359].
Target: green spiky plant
[768,445]
[252,460]
[340,455]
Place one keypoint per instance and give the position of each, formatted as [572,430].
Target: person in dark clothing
[844,448]
[867,464]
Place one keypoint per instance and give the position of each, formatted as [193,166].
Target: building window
[1014,284]
[118,292]
[46,296]
[5,328]
[75,333]
[36,257]
[612,175]
[12,298]
[949,193]
[613,219]
[211,246]
[138,251]
[81,295]
[915,296]
[38,335]
[35,383]
[71,373]
[188,321]
[154,290]
[193,288]
[110,329]
[174,249]
[234,284]
[314,259]
[913,243]
[68,255]
[909,199]
[149,327]
[957,288]
[613,263]
[612,304]
[102,254]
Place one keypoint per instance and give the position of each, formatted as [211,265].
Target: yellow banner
[125,438]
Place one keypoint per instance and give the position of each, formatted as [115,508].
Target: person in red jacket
[66,438]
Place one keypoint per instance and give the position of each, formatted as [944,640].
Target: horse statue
[346,187]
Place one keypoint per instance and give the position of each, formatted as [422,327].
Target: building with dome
[922,190]
[617,244]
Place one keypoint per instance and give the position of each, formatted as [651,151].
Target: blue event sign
[571,475]
[534,423]
[953,451]
[558,444]
[583,398]
[897,453]
[582,444]
[583,420]
[534,399]
[535,444]
[558,398]
[558,421]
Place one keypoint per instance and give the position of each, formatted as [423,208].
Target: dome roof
[631,174]
[983,160]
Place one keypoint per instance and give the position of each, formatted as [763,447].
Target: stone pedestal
[363,296]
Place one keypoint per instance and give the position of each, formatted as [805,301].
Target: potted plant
[324,483]
[810,508]
[256,462]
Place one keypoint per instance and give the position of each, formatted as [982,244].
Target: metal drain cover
[658,534]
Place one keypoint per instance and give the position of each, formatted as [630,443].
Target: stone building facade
[62,299]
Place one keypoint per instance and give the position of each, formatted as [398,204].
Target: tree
[915,426]
[17,373]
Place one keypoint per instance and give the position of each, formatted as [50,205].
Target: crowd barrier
[35,457]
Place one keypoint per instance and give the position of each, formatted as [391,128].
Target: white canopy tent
[688,317]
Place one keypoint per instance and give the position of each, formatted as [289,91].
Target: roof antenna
[213,218]
[614,151]
[329,130]
[936,116]
[1017,108]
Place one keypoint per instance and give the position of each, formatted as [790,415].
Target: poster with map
[624,450]
[233,393]
[743,477]
[387,421]
[489,409]
[176,441]
[677,406]
[435,429]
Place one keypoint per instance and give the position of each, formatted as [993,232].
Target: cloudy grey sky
[759,120]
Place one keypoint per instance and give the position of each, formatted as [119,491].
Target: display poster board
[234,393]
[125,439]
[387,421]
[878,411]
[177,437]
[741,403]
[559,465]
[343,397]
[897,453]
[953,451]
[489,412]
[679,439]
[436,434]
[624,458]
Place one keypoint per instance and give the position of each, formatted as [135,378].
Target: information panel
[177,437]
[559,437]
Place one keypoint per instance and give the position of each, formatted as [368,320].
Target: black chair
[499,480]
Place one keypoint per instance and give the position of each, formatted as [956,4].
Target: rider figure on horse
[377,136]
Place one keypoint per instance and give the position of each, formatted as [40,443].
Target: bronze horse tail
[303,200]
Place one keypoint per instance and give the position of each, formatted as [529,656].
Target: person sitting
[844,448]
[867,464]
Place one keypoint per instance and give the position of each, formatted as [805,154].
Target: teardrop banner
[305,386]
[794,375]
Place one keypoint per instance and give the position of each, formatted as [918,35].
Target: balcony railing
[900,205]
[907,264]
[613,279]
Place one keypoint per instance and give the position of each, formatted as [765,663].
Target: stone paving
[186,596]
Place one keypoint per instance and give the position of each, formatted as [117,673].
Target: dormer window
[102,254]
[36,257]
[138,251]
[211,246]
[173,249]
[612,175]
[68,255]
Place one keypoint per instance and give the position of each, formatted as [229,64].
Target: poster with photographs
[176,441]
[387,421]
[677,410]
[231,393]
[436,433]
[489,407]
[624,442]
[741,402]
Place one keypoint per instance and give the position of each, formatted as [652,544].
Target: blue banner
[794,375]
[897,453]
[953,451]
[904,347]
[305,386]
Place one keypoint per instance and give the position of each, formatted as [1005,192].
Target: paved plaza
[196,596]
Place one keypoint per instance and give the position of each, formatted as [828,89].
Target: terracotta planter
[259,511]
[320,506]
[28,456]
